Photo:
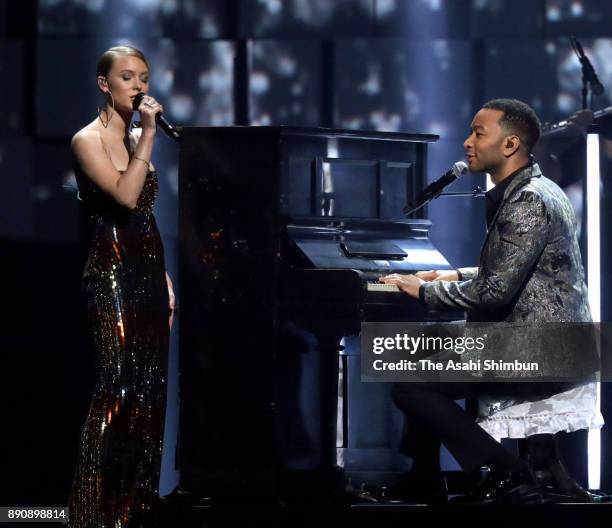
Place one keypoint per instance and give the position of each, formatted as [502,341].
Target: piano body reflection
[284,232]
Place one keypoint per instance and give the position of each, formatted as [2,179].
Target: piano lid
[366,244]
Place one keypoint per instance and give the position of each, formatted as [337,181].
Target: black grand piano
[284,232]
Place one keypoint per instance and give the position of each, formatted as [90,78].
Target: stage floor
[201,514]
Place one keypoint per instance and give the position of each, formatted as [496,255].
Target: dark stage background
[420,66]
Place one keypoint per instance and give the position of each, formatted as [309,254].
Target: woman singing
[129,301]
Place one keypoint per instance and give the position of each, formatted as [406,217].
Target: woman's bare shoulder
[87,134]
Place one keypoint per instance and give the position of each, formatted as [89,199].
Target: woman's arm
[89,153]
[171,298]
[92,158]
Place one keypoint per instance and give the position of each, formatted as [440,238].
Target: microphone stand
[589,77]
[585,88]
[476,192]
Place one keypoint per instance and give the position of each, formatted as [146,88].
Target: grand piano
[284,232]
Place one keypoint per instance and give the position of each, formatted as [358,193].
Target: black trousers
[434,417]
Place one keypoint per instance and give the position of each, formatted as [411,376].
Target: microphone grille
[460,168]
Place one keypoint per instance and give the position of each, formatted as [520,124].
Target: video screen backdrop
[181,19]
[193,80]
[284,83]
[418,65]
[12,89]
[313,18]
[395,65]
[407,85]
[578,17]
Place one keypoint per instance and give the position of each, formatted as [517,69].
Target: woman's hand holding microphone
[148,108]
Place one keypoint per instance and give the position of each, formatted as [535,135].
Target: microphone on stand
[159,119]
[434,189]
[587,68]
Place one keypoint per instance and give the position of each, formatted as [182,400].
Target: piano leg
[332,476]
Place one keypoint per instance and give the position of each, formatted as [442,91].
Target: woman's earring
[105,125]
[100,118]
[113,104]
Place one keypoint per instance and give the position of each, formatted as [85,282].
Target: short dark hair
[519,118]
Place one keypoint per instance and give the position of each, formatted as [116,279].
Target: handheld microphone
[159,119]
[434,189]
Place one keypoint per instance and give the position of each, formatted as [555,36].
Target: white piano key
[380,287]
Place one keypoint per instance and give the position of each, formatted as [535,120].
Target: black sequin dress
[126,297]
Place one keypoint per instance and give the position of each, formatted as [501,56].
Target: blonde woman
[129,301]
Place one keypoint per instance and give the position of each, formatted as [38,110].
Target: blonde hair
[108,58]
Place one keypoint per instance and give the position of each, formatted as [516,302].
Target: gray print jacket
[530,273]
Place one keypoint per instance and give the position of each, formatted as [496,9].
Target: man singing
[530,272]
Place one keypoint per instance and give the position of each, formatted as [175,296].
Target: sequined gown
[126,298]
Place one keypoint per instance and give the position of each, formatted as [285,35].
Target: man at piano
[531,272]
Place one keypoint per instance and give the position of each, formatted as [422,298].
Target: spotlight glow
[594,285]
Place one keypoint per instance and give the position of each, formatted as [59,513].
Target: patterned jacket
[530,271]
